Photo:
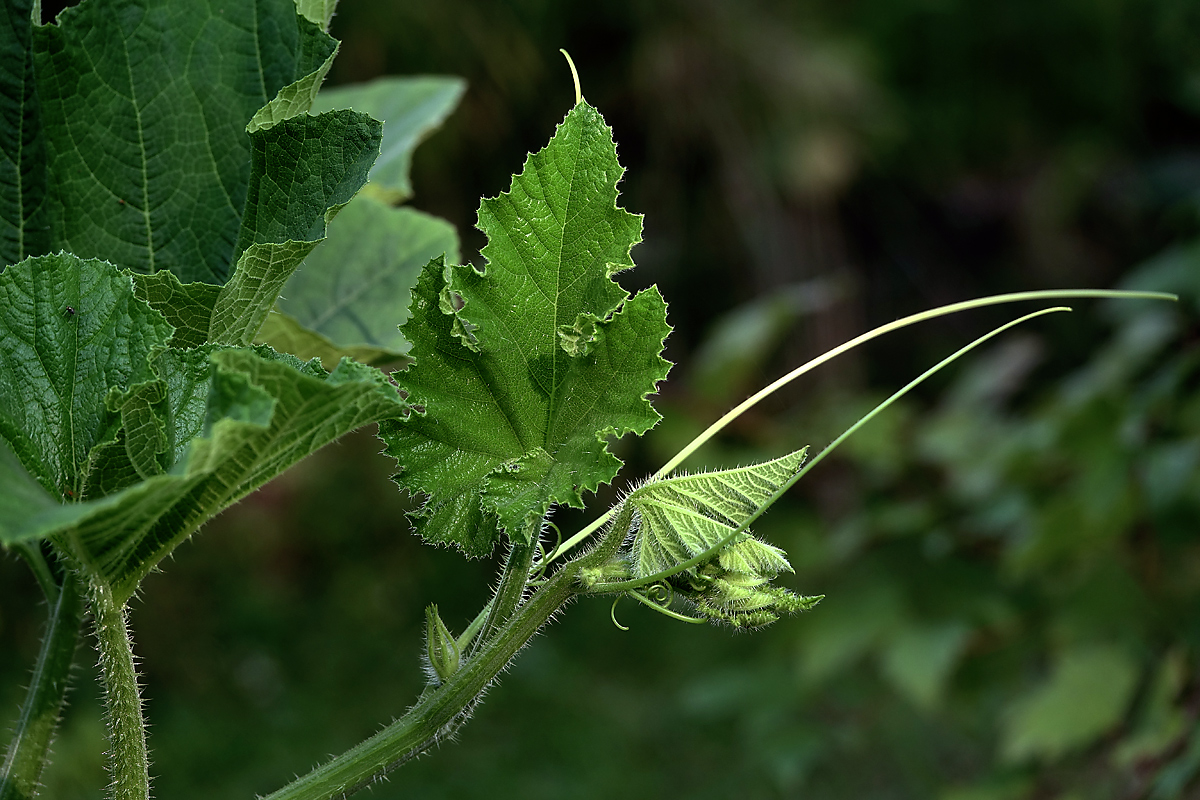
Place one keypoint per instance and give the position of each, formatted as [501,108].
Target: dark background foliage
[1011,558]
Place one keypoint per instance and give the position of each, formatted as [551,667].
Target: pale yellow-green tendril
[575,76]
[855,342]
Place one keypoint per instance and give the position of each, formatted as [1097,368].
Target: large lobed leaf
[526,368]
[166,135]
[154,439]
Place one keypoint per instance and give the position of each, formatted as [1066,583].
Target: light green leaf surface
[354,289]
[284,334]
[317,11]
[518,409]
[1085,697]
[145,107]
[410,107]
[682,516]
[23,229]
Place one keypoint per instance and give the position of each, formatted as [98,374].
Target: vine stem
[29,749]
[439,711]
[129,764]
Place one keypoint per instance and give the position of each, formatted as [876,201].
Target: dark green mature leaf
[410,107]
[353,290]
[145,107]
[297,182]
[526,369]
[23,229]
[69,331]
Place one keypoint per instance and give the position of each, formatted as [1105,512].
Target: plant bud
[441,649]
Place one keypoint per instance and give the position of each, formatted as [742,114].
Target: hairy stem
[29,750]
[129,765]
[510,592]
[441,710]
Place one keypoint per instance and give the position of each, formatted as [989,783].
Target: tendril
[544,558]
[613,613]
[662,609]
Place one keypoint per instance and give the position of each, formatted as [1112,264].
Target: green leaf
[70,330]
[514,422]
[284,334]
[682,516]
[354,289]
[262,412]
[1085,697]
[157,439]
[145,108]
[23,227]
[188,307]
[27,510]
[410,107]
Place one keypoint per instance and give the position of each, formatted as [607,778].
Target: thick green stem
[510,592]
[129,765]
[441,710]
[29,749]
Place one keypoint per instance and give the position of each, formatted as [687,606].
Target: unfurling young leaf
[680,518]
[526,368]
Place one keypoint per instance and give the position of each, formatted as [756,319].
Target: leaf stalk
[129,763]
[29,750]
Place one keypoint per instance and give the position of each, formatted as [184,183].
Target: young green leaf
[681,517]
[527,367]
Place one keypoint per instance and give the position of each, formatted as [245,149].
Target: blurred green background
[1011,558]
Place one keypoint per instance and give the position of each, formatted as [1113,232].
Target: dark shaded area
[1011,558]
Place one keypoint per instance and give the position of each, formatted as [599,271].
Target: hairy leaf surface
[527,368]
[680,517]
